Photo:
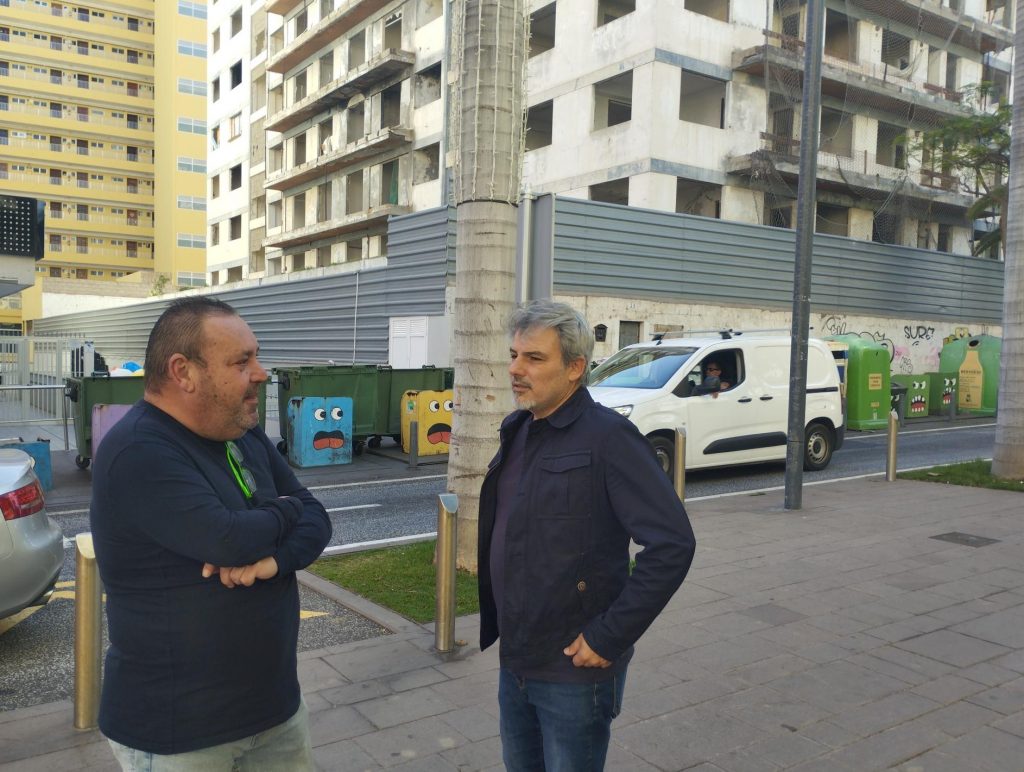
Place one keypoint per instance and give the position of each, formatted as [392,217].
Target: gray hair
[575,336]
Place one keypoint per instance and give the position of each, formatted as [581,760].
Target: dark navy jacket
[590,483]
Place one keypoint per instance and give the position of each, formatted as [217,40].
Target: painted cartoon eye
[918,384]
[946,382]
[448,405]
[434,406]
[319,414]
[952,381]
[336,413]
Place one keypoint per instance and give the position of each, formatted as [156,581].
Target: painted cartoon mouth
[917,405]
[947,396]
[329,440]
[439,433]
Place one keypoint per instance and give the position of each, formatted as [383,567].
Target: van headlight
[623,410]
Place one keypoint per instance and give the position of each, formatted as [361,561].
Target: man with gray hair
[571,484]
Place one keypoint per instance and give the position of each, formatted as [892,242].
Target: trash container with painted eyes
[319,431]
[432,412]
[898,399]
[942,393]
[917,394]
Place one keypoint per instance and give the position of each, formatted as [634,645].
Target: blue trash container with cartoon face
[319,431]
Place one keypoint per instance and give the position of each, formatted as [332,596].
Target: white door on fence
[407,341]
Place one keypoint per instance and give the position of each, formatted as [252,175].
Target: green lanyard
[242,475]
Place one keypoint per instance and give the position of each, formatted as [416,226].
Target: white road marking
[754,491]
[379,482]
[356,506]
[917,431]
[362,546]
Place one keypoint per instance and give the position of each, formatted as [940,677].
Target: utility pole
[488,47]
[1008,454]
[809,120]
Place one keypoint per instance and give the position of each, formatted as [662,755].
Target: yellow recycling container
[432,410]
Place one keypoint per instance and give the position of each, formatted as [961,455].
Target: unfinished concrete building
[675,105]
[354,126]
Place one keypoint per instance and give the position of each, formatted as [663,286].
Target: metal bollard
[414,443]
[447,539]
[890,455]
[952,409]
[88,634]
[679,465]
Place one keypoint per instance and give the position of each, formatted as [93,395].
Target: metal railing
[34,410]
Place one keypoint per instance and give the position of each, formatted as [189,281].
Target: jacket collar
[567,412]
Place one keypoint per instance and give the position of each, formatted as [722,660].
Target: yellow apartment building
[105,121]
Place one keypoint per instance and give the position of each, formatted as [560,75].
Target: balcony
[779,156]
[869,84]
[374,217]
[386,139]
[328,30]
[146,91]
[944,23]
[385,65]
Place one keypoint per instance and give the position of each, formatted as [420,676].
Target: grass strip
[976,474]
[402,579]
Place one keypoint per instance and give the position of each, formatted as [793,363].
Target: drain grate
[966,539]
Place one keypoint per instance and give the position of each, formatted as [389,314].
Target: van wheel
[665,451]
[820,442]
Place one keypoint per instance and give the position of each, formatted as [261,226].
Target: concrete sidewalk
[841,637]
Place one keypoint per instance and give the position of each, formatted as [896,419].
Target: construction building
[105,121]
[686,106]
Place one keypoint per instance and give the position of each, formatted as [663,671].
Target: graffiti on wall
[913,348]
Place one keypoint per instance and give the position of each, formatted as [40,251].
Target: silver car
[31,545]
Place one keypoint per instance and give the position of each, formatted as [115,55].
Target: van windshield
[640,368]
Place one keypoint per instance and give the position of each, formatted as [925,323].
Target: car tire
[665,450]
[820,442]
[373,442]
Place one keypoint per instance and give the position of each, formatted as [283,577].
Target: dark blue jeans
[556,727]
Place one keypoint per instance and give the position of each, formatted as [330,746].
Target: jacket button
[581,586]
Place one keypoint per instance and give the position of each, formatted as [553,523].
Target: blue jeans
[556,727]
[283,748]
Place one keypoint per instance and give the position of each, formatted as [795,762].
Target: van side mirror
[709,385]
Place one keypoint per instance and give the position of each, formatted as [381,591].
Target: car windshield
[640,368]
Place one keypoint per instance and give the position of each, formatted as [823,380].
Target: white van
[737,416]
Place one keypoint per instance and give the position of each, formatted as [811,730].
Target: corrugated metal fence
[598,249]
[621,251]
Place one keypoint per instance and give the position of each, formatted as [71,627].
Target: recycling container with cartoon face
[917,393]
[319,431]
[942,392]
[432,412]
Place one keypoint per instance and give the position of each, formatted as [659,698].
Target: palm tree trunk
[488,109]
[1008,457]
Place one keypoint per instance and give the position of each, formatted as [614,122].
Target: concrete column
[865,140]
[869,43]
[908,232]
[918,61]
[742,204]
[960,241]
[653,191]
[861,222]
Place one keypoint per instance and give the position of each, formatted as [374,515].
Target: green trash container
[975,360]
[360,382]
[376,392]
[942,392]
[86,392]
[868,397]
[90,390]
[917,394]
[898,399]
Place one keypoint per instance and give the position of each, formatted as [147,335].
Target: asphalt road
[36,651]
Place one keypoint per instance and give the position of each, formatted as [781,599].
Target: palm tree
[488,109]
[1008,457]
